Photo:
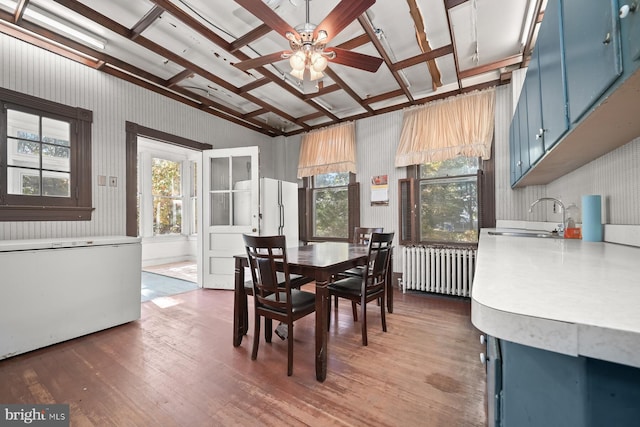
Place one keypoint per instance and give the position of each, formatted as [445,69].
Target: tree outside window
[331,205]
[167,196]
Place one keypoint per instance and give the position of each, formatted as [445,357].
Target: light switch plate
[102,180]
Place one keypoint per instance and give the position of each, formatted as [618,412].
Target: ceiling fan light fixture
[322,35]
[318,62]
[298,74]
[298,61]
[315,75]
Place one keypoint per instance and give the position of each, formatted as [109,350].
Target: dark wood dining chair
[361,236]
[274,297]
[371,286]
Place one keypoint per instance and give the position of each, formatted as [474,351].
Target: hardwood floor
[177,366]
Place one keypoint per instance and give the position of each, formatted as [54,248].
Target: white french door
[230,208]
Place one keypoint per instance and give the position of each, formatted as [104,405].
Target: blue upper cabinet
[592,51]
[553,91]
[630,14]
[534,111]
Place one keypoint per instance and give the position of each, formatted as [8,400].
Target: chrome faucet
[562,208]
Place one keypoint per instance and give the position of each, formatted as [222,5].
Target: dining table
[320,262]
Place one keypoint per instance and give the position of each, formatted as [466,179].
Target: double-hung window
[440,204]
[45,160]
[332,207]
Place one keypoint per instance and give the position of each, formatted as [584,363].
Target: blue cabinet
[592,51]
[534,111]
[544,388]
[631,28]
[553,91]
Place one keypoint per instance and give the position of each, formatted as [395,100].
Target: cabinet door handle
[607,39]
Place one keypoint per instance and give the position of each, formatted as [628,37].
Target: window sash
[73,200]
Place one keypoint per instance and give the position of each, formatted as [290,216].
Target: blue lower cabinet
[544,388]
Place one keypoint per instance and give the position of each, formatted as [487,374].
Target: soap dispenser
[571,230]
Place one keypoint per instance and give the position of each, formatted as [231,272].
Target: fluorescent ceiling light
[52,21]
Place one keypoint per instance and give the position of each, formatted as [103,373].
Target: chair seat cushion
[300,300]
[356,271]
[350,285]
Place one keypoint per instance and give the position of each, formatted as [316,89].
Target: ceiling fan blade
[261,60]
[355,59]
[342,15]
[263,12]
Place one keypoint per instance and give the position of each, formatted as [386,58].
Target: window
[446,208]
[45,154]
[334,204]
[166,190]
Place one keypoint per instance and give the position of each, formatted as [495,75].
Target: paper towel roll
[592,218]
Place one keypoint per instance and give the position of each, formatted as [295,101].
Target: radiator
[438,269]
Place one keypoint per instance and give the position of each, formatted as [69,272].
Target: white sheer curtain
[441,130]
[331,149]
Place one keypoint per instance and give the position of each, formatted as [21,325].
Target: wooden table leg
[322,298]
[240,314]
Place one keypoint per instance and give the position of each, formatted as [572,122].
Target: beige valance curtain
[441,130]
[331,149]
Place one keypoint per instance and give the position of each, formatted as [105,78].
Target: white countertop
[562,295]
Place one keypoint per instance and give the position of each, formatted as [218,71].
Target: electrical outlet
[113,181]
[555,209]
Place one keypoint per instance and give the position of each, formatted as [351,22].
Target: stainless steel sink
[526,233]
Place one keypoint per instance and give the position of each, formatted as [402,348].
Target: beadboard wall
[25,68]
[615,176]
[31,70]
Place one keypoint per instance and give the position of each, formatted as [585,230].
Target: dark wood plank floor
[177,366]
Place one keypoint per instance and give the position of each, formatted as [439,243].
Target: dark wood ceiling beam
[423,57]
[323,91]
[44,44]
[177,97]
[183,75]
[107,64]
[213,37]
[166,53]
[207,102]
[384,96]
[312,116]
[251,36]
[512,60]
[193,23]
[146,21]
[255,113]
[355,42]
[368,28]
[254,85]
[345,87]
[423,43]
[456,64]
[19,12]
[449,4]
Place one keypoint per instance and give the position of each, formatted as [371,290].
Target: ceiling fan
[309,54]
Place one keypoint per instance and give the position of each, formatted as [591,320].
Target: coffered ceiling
[188,50]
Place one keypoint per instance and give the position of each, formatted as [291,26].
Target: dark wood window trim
[408,212]
[41,208]
[305,209]
[133,131]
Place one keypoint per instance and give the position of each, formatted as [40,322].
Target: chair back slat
[380,247]
[271,287]
[362,235]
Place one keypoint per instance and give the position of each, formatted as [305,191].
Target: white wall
[31,70]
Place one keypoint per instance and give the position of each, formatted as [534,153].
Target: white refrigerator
[279,209]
